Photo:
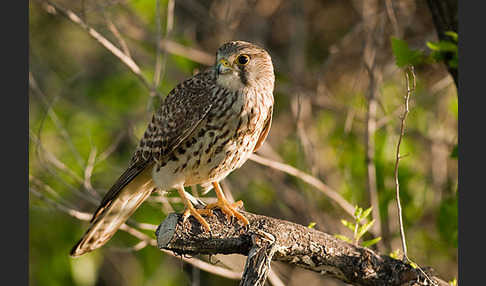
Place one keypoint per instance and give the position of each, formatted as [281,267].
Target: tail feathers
[113,214]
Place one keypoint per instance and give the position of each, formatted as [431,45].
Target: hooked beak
[223,67]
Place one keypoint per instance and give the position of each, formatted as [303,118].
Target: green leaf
[349,225]
[442,46]
[357,212]
[442,50]
[452,34]
[454,153]
[404,55]
[433,46]
[395,253]
[370,242]
[344,238]
[453,62]
[364,228]
[366,213]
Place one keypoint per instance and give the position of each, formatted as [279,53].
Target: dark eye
[243,60]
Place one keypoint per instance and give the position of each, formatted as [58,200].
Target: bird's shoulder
[178,115]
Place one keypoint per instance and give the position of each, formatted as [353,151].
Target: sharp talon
[196,213]
[229,210]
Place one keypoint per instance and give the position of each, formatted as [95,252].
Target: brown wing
[265,131]
[180,113]
[183,109]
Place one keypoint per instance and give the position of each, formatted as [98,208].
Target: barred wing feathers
[178,116]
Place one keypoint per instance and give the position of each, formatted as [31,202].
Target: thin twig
[410,78]
[137,247]
[45,156]
[141,225]
[126,59]
[193,54]
[168,31]
[305,141]
[139,32]
[161,60]
[410,90]
[387,118]
[50,111]
[49,190]
[390,12]
[323,188]
[111,148]
[118,36]
[88,172]
[70,211]
[51,158]
[158,57]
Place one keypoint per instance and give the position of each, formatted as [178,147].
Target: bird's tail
[114,212]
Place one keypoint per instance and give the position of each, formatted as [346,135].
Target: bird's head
[244,65]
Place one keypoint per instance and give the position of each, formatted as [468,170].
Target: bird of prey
[206,127]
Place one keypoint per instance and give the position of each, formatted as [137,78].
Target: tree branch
[268,238]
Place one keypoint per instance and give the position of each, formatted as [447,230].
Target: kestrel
[206,127]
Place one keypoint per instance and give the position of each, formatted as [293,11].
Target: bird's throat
[230,81]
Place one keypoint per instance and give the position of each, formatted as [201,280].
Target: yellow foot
[228,209]
[196,213]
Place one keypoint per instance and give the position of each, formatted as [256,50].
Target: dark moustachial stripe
[243,75]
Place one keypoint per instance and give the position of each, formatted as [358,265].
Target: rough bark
[268,239]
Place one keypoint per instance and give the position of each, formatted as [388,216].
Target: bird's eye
[243,60]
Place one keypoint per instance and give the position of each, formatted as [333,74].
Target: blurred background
[339,97]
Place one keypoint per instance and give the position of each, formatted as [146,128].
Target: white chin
[230,81]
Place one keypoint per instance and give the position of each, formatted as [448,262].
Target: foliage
[92,106]
[442,51]
[359,228]
[404,55]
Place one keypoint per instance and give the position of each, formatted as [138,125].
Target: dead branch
[269,239]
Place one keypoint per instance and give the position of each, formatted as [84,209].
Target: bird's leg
[191,210]
[226,207]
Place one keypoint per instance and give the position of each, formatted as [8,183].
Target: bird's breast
[226,138]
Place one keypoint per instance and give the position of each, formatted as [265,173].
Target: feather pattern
[180,113]
[206,127]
